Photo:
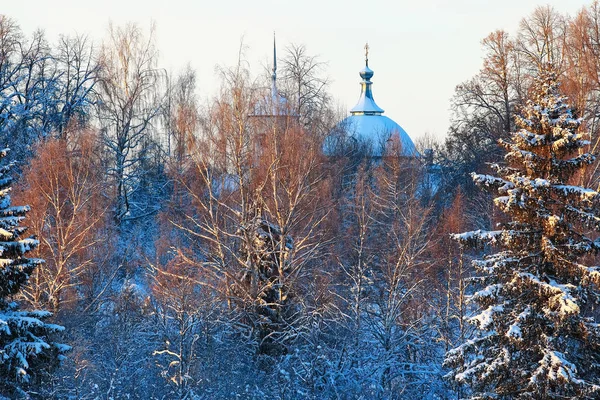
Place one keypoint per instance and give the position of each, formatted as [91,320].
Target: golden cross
[367,51]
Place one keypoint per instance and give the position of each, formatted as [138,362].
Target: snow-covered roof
[373,132]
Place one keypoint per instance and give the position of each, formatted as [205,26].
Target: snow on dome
[366,127]
[374,132]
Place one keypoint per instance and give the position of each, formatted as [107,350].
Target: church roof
[366,126]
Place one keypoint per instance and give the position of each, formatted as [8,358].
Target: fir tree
[537,337]
[25,351]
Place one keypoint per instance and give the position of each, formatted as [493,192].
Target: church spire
[366,104]
[274,75]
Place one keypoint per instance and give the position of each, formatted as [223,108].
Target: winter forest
[156,244]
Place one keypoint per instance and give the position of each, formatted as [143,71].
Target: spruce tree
[537,335]
[25,351]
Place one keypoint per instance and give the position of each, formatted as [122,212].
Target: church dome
[376,133]
[366,127]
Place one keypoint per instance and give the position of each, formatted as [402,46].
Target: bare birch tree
[128,108]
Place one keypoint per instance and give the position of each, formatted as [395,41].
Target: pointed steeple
[366,104]
[274,75]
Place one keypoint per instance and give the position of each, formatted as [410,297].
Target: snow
[15,210]
[486,317]
[483,235]
[492,181]
[495,261]
[10,221]
[514,332]
[20,247]
[576,162]
[376,130]
[502,200]
[488,292]
[531,138]
[561,297]
[593,273]
[28,244]
[584,193]
[536,183]
[500,361]
[4,262]
[555,367]
[5,235]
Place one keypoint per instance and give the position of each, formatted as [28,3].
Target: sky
[419,49]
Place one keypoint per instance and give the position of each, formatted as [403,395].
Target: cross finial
[367,54]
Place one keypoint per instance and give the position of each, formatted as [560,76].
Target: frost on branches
[24,347]
[537,337]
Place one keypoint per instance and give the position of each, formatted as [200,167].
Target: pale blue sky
[420,49]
